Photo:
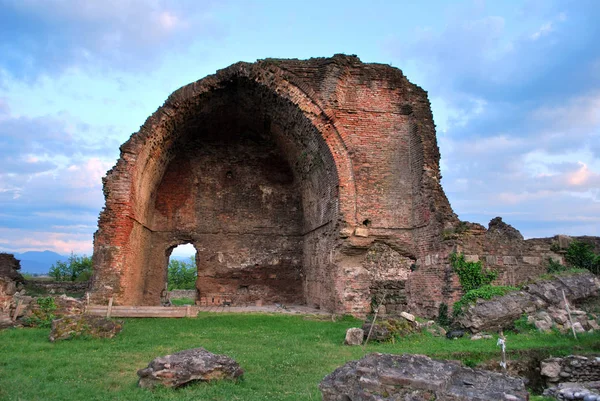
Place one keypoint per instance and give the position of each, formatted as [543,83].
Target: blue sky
[514,86]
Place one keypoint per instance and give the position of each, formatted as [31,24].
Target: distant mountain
[39,262]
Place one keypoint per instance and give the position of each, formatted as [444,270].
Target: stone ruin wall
[10,280]
[297,181]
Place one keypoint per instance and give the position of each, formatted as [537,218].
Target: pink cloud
[64,243]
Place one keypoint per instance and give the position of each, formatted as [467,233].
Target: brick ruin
[297,181]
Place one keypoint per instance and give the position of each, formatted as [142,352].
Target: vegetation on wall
[182,275]
[76,268]
[475,282]
[471,274]
[579,255]
[43,314]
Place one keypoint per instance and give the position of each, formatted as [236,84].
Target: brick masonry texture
[297,181]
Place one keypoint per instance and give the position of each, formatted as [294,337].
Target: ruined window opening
[367,223]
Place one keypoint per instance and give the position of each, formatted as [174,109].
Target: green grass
[182,301]
[284,357]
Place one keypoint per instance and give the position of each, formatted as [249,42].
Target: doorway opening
[182,273]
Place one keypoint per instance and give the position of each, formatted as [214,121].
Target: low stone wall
[179,294]
[59,287]
[573,368]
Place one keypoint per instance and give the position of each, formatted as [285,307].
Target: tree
[76,268]
[182,275]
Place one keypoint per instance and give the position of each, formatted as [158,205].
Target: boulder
[354,336]
[187,366]
[387,329]
[417,377]
[84,325]
[501,312]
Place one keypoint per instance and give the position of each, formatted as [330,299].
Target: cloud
[51,36]
[51,171]
[519,112]
[17,240]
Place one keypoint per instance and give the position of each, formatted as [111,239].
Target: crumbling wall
[306,181]
[572,368]
[288,177]
[10,279]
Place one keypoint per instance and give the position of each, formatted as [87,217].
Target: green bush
[76,268]
[471,274]
[182,275]
[555,267]
[580,255]
[43,315]
[485,292]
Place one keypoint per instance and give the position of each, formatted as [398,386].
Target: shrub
[471,274]
[555,267]
[580,255]
[43,315]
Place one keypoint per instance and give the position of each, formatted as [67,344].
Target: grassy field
[284,357]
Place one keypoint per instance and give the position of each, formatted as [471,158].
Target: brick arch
[123,244]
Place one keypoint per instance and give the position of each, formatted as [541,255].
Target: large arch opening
[249,181]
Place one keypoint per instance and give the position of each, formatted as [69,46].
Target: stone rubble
[575,391]
[556,317]
[501,312]
[72,326]
[381,377]
[188,366]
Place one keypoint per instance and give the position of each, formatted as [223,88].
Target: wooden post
[17,309]
[374,318]
[569,314]
[109,310]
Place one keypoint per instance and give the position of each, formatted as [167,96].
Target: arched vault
[283,174]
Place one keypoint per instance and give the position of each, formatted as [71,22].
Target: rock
[501,312]
[77,325]
[386,329]
[481,337]
[455,334]
[5,321]
[593,324]
[578,327]
[187,366]
[377,333]
[550,368]
[354,336]
[408,316]
[384,377]
[543,325]
[496,313]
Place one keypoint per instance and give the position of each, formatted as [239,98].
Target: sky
[514,88]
